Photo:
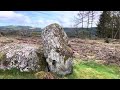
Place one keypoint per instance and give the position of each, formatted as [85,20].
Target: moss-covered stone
[67,52]
[2,56]
[65,58]
[56,49]
[55,24]
[42,59]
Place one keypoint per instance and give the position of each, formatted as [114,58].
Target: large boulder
[57,51]
[24,57]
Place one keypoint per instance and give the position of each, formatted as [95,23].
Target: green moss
[65,58]
[36,34]
[56,24]
[67,53]
[68,49]
[42,60]
[2,56]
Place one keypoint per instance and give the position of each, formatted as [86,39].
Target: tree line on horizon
[108,25]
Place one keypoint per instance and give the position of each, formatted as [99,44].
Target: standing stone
[56,49]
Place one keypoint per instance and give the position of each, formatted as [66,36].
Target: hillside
[71,32]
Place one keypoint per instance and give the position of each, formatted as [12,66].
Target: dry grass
[96,49]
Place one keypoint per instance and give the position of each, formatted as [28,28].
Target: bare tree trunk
[119,23]
[92,18]
[88,17]
[88,20]
[115,34]
[82,19]
[112,24]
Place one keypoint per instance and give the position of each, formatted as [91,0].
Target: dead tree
[113,23]
[85,18]
[80,20]
[88,19]
[92,20]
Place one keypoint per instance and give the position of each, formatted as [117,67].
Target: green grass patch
[16,74]
[93,70]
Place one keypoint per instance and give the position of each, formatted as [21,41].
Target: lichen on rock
[25,57]
[56,49]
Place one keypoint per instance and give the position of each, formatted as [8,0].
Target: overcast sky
[40,18]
